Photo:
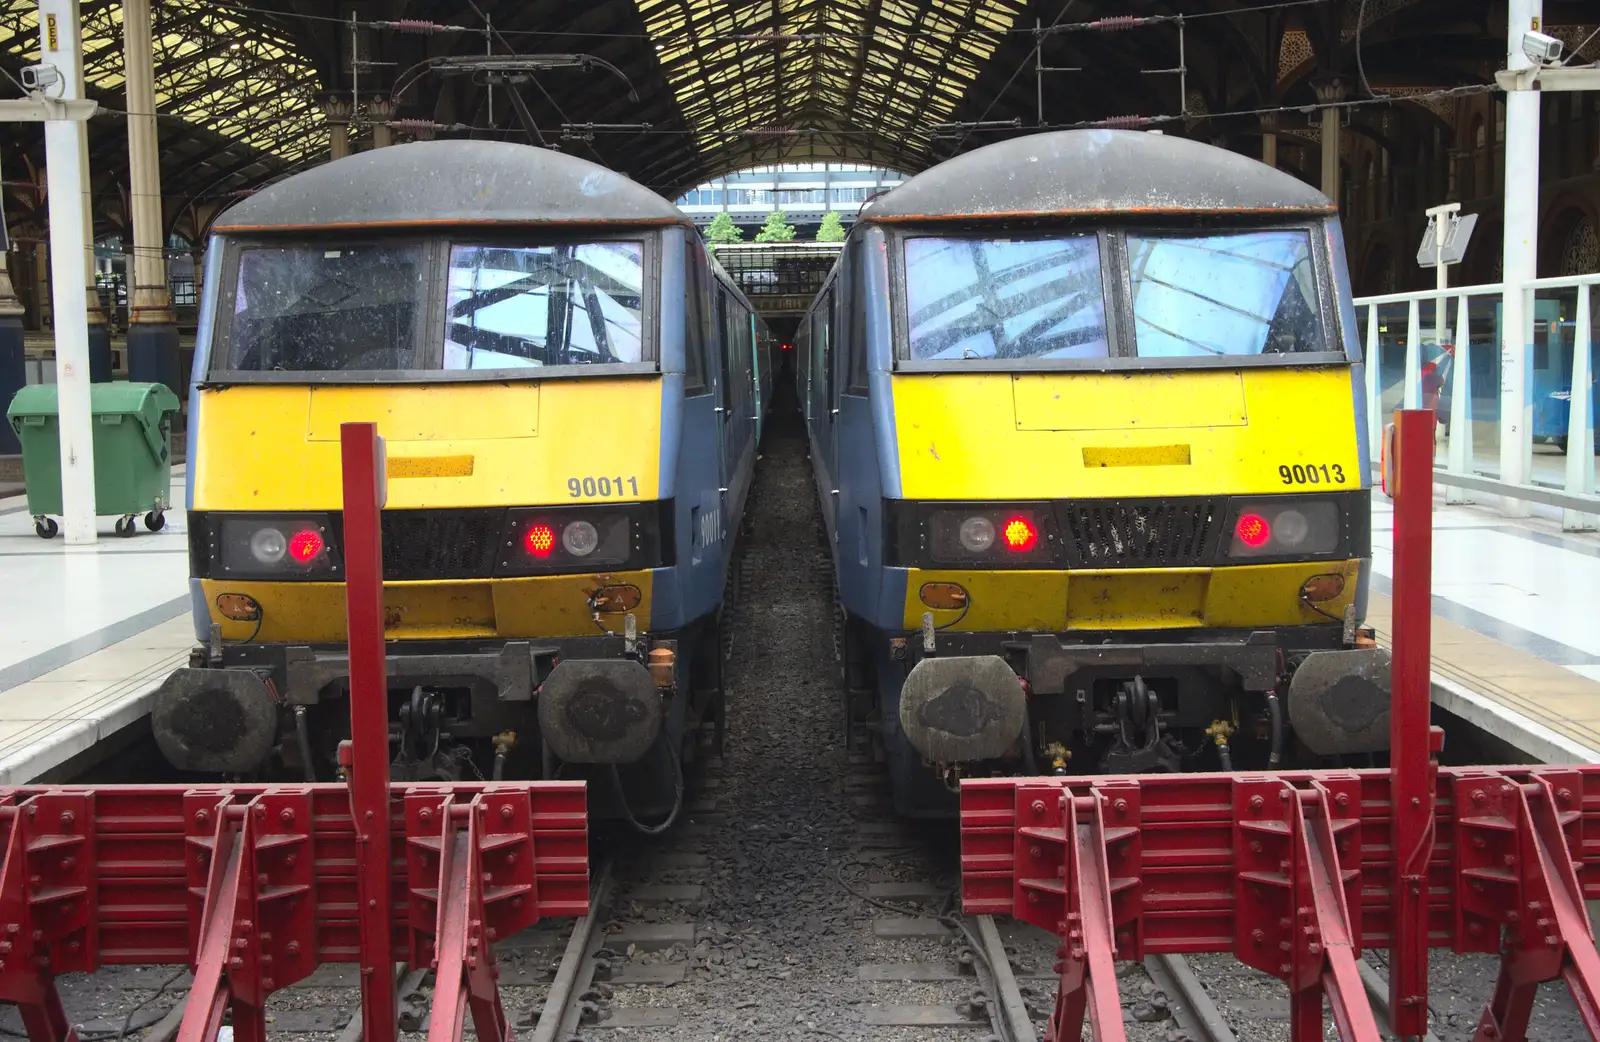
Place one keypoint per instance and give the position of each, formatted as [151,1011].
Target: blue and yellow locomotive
[1086,418]
[571,392]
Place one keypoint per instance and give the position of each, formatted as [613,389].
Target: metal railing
[1446,366]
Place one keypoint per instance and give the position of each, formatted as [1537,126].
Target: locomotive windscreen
[1247,293]
[432,305]
[1005,298]
[1192,295]
[511,307]
[325,309]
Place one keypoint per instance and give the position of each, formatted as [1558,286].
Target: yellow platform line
[1551,696]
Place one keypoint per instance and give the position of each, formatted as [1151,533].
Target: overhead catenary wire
[931,129]
[420,26]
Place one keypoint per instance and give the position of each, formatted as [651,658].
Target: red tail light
[540,540]
[1253,530]
[305,545]
[1020,535]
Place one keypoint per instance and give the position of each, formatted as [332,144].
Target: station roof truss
[685,91]
[880,70]
[237,99]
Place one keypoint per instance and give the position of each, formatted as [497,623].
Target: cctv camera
[1541,49]
[40,77]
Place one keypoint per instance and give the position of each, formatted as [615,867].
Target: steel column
[1519,259]
[1370,369]
[1460,435]
[1580,416]
[1329,95]
[71,265]
[152,328]
[368,751]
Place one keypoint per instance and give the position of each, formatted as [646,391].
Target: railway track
[789,901]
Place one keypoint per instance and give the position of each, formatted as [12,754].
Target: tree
[723,230]
[832,230]
[776,229]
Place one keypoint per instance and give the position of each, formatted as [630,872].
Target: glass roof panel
[895,66]
[212,69]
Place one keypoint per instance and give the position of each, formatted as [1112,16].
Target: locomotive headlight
[545,540]
[977,534]
[268,546]
[580,538]
[987,535]
[1292,529]
[1297,526]
[274,547]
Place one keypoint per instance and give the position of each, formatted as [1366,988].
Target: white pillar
[1580,432]
[1460,429]
[1520,260]
[66,146]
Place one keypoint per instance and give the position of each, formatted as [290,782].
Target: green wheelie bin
[132,452]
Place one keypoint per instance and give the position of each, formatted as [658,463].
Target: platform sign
[1456,235]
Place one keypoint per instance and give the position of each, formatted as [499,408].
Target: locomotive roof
[1081,172]
[450,183]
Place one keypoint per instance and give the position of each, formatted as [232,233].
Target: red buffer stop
[255,886]
[1297,873]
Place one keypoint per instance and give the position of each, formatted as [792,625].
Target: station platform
[1515,648]
[87,634]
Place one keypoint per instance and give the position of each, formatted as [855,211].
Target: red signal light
[1253,530]
[1020,535]
[305,545]
[540,540]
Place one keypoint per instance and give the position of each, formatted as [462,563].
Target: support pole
[1461,455]
[1370,367]
[367,754]
[1330,93]
[339,112]
[66,147]
[1519,259]
[380,111]
[152,327]
[1580,417]
[1412,769]
[1411,388]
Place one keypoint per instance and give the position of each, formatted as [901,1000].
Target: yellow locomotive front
[1125,500]
[494,309]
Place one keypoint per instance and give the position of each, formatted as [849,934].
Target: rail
[1557,385]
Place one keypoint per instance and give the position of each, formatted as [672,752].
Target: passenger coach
[570,391]
[1086,418]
